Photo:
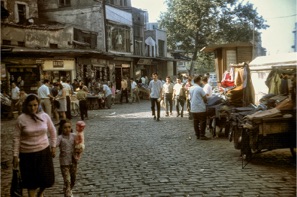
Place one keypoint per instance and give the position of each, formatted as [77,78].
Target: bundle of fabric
[235,96]
[286,104]
[271,113]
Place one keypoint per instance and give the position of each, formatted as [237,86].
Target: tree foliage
[193,24]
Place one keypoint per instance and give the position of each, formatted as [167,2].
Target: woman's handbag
[16,189]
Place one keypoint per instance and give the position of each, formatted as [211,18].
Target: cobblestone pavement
[129,154]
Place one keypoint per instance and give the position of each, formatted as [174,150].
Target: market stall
[272,124]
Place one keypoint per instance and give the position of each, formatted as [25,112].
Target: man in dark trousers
[155,87]
[198,108]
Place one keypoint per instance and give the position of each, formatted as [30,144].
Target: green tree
[193,24]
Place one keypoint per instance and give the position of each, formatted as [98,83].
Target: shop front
[25,73]
[123,69]
[93,70]
[143,68]
[56,69]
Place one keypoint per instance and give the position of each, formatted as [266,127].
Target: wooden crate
[277,125]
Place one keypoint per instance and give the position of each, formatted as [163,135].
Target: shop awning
[285,59]
[212,48]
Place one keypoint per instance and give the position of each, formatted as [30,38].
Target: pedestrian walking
[81,95]
[61,98]
[134,91]
[188,85]
[124,90]
[55,103]
[167,95]
[33,148]
[179,97]
[45,96]
[155,87]
[198,108]
[66,142]
[68,90]
[15,96]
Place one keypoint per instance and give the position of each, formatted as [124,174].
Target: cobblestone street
[130,154]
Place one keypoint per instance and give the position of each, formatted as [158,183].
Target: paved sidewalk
[129,154]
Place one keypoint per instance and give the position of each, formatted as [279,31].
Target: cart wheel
[227,129]
[293,152]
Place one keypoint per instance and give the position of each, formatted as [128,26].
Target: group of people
[33,150]
[193,93]
[134,90]
[55,99]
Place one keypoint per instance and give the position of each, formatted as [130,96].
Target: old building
[88,19]
[36,48]
[88,40]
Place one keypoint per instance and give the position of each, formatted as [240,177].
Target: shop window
[64,3]
[102,73]
[119,38]
[25,78]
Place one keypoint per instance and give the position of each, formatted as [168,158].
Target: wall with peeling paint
[38,38]
[88,19]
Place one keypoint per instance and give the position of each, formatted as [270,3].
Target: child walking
[68,165]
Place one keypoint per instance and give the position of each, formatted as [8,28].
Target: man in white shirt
[44,96]
[134,91]
[198,108]
[15,96]
[167,95]
[207,88]
[179,97]
[142,80]
[155,87]
[107,95]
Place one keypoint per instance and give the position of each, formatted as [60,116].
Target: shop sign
[126,65]
[39,61]
[58,64]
